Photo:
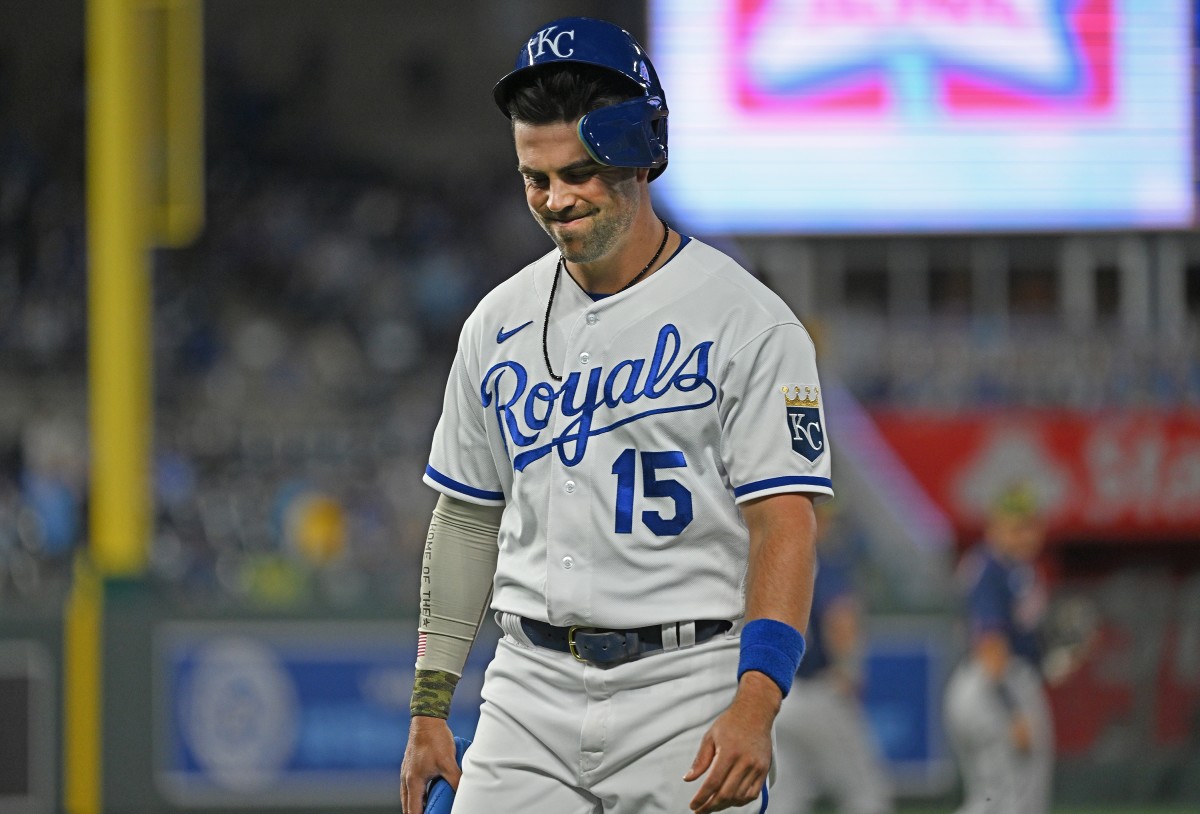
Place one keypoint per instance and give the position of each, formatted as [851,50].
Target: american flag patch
[420,645]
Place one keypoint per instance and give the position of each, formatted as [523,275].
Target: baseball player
[825,744]
[996,710]
[629,451]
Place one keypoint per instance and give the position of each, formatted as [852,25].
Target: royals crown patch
[804,420]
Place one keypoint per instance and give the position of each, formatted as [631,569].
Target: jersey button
[584,358]
[591,319]
[569,487]
[568,563]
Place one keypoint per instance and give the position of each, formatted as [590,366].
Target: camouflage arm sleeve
[432,691]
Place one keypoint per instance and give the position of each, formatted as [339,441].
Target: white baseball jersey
[689,393]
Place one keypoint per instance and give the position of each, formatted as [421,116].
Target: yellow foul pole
[83,635]
[119,331]
[181,206]
[119,353]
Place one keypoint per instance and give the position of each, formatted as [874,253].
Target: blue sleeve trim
[790,480]
[450,483]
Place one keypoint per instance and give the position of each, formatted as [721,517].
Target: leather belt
[610,647]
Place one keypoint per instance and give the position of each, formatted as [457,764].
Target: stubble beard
[607,230]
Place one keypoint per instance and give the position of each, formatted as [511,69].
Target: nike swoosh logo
[503,335]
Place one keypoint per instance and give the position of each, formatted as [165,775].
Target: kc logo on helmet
[804,421]
[543,40]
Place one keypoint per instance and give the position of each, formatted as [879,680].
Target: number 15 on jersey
[653,486]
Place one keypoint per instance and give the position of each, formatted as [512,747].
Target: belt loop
[670,636]
[687,634]
[510,623]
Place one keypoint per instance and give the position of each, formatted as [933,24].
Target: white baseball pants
[998,779]
[561,736]
[825,747]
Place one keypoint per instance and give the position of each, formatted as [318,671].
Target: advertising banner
[1129,475]
[278,714]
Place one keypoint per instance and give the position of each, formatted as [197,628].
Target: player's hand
[428,755]
[736,749]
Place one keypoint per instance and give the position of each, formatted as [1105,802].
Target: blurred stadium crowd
[301,347]
[1032,363]
[300,351]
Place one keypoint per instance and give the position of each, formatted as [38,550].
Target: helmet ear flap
[628,134]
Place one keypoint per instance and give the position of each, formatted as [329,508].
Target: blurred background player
[996,708]
[825,745]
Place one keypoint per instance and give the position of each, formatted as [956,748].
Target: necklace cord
[554,287]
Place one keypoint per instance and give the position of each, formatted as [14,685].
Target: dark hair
[565,92]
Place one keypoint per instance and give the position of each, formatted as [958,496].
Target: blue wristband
[772,648]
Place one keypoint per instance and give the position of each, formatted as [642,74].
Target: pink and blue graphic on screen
[916,59]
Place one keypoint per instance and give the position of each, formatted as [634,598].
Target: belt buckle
[571,643]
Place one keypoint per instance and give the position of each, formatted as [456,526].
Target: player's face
[1018,537]
[586,207]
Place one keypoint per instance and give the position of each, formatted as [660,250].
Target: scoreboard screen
[884,116]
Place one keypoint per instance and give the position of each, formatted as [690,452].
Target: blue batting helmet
[628,134]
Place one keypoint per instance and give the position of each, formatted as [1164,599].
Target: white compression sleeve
[456,581]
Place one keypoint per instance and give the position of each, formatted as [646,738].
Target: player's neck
[611,273]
